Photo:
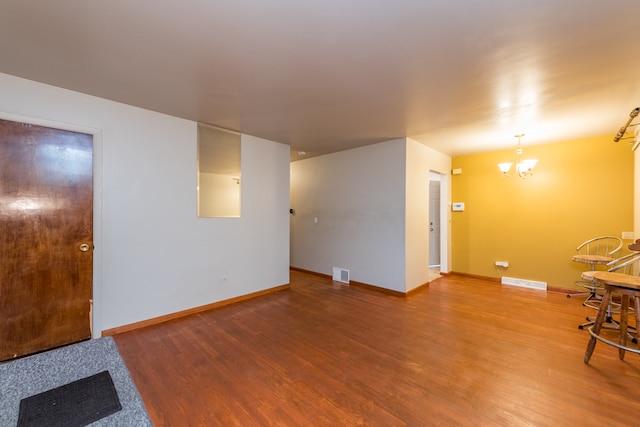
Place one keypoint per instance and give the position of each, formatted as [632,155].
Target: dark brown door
[46,238]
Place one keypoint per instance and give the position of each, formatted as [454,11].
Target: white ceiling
[325,75]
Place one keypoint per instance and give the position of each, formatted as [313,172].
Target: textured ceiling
[325,75]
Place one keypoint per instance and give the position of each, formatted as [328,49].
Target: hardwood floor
[464,352]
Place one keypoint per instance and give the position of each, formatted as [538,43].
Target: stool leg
[624,313]
[598,325]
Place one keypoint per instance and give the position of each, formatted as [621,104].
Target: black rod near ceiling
[623,129]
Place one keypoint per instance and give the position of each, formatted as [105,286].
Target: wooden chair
[628,287]
[601,251]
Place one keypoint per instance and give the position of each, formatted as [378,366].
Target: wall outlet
[504,264]
[628,235]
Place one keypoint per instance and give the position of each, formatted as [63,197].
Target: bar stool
[600,250]
[627,264]
[627,286]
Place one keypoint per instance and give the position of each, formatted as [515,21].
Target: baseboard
[379,289]
[475,276]
[366,285]
[565,290]
[313,273]
[418,289]
[498,279]
[195,310]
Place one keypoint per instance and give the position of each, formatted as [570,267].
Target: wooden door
[46,238]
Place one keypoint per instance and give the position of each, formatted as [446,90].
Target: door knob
[84,247]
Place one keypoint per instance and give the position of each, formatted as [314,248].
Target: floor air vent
[340,275]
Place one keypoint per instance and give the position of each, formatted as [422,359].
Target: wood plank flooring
[465,352]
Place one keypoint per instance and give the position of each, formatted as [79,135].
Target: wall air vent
[524,283]
[341,275]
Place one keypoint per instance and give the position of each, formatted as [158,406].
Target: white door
[434,223]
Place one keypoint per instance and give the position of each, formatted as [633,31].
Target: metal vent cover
[341,275]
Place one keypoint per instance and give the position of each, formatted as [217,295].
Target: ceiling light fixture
[523,168]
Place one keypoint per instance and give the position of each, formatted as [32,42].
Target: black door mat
[76,404]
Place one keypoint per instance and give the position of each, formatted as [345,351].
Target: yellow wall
[580,189]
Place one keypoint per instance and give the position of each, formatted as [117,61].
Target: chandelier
[523,168]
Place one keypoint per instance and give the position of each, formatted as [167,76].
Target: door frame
[445,221]
[97,204]
[433,203]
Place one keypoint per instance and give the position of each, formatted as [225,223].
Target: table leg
[624,313]
[598,325]
[636,300]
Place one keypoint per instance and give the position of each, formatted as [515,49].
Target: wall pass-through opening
[218,172]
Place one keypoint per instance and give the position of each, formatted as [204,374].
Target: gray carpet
[41,372]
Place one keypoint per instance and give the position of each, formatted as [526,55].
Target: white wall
[372,205]
[358,197]
[421,160]
[153,255]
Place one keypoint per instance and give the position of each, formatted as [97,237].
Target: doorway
[435,224]
[46,237]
